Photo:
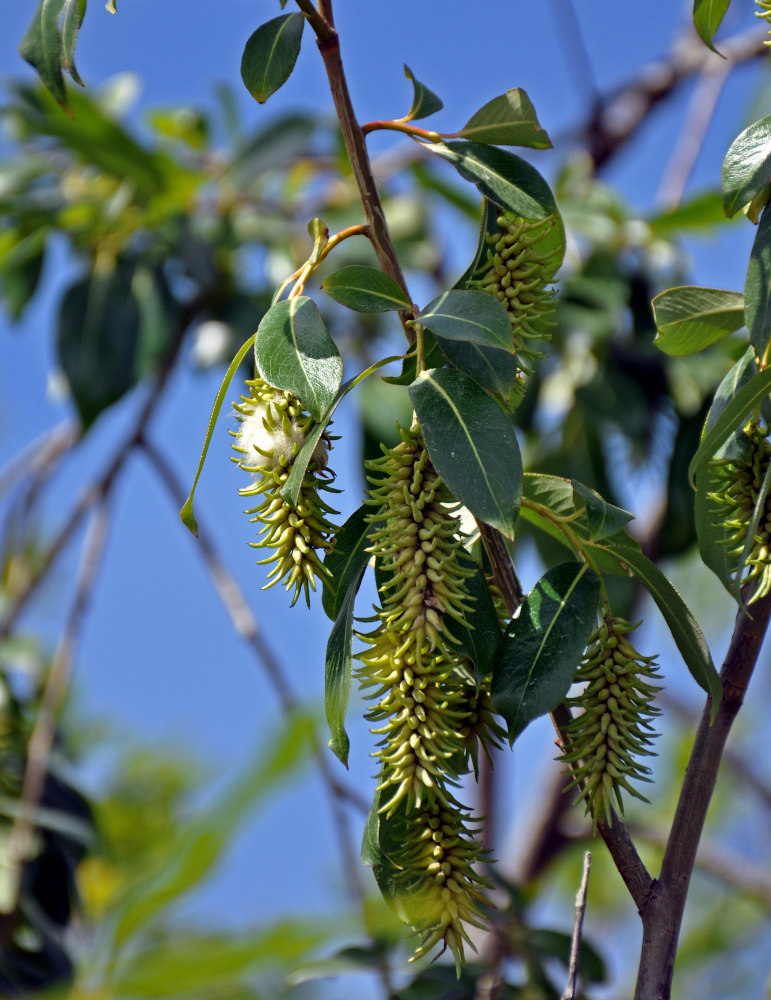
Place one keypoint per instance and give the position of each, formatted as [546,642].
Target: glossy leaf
[731,418]
[41,46]
[480,638]
[757,287]
[689,318]
[543,645]
[503,177]
[467,315]
[365,289]
[346,560]
[188,518]
[603,518]
[270,55]
[293,351]
[472,445]
[685,630]
[507,120]
[74,11]
[339,665]
[707,16]
[747,166]
[495,370]
[424,101]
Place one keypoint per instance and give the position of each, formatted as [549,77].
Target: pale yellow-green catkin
[272,428]
[764,11]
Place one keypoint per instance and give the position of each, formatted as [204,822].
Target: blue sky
[159,659]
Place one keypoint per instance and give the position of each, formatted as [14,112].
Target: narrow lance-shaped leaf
[503,177]
[707,16]
[542,646]
[188,518]
[468,315]
[424,101]
[731,418]
[747,166]
[270,55]
[346,560]
[74,12]
[365,289]
[757,287]
[689,318]
[41,46]
[472,445]
[293,351]
[507,120]
[339,665]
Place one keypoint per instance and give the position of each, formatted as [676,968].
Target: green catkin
[429,714]
[764,12]
[520,263]
[739,485]
[272,428]
[614,727]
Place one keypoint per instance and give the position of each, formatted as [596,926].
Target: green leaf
[604,519]
[503,177]
[757,287]
[685,630]
[707,15]
[424,101]
[542,646]
[472,445]
[20,270]
[433,357]
[730,419]
[290,491]
[270,54]
[700,213]
[365,289]
[480,638]
[185,862]
[347,559]
[471,316]
[507,120]
[41,47]
[747,166]
[98,339]
[689,318]
[74,11]
[339,664]
[188,518]
[293,351]
[495,370]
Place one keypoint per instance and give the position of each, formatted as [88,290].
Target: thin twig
[573,44]
[44,731]
[40,454]
[578,927]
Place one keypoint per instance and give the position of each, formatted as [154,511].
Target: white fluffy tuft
[262,446]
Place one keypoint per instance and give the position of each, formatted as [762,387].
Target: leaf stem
[413,131]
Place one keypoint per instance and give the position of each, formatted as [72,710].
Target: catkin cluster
[764,11]
[272,428]
[519,264]
[429,713]
[614,727]
[740,483]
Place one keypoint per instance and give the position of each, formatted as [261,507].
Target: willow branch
[662,913]
[578,927]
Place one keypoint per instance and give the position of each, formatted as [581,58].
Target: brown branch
[662,913]
[619,116]
[40,456]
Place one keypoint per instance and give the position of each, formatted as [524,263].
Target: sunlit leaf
[424,101]
[365,289]
[270,55]
[507,120]
[707,15]
[467,315]
[339,664]
[747,166]
[689,318]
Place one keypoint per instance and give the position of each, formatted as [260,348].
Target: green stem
[394,125]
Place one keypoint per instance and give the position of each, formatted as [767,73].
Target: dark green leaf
[41,46]
[479,640]
[685,630]
[504,178]
[707,15]
[293,351]
[347,559]
[365,289]
[689,318]
[98,340]
[747,166]
[730,419]
[424,101]
[495,370]
[757,287]
[433,357]
[270,54]
[188,518]
[507,120]
[339,664]
[471,316]
[74,11]
[603,518]
[472,445]
[541,648]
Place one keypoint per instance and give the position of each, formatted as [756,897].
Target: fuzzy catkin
[272,428]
